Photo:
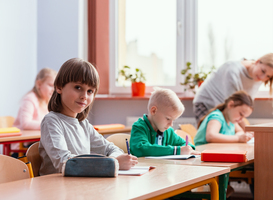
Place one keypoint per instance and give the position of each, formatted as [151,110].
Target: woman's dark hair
[239,98]
[74,70]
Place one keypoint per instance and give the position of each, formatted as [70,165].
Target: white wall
[18,52]
[58,32]
[33,34]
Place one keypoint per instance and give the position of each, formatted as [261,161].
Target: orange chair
[34,158]
[183,135]
[119,140]
[190,129]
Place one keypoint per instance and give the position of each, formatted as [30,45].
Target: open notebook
[136,170]
[174,157]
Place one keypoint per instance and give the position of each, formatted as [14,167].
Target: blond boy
[153,135]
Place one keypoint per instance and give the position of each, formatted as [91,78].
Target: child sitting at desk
[152,135]
[33,106]
[65,131]
[221,123]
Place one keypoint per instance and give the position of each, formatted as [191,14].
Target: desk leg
[6,149]
[223,183]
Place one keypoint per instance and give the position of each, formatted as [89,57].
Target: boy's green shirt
[143,140]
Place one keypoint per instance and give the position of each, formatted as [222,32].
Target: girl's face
[262,72]
[162,119]
[46,87]
[237,113]
[75,97]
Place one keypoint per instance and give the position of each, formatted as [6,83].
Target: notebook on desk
[10,131]
[136,170]
[174,157]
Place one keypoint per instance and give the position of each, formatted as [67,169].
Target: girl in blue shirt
[220,125]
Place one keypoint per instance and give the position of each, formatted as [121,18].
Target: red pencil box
[223,156]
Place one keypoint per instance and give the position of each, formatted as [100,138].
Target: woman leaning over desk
[233,76]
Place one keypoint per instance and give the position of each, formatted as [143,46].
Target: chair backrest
[34,158]
[6,121]
[190,129]
[246,121]
[119,140]
[12,169]
[183,135]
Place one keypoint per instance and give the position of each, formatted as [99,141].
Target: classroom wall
[57,32]
[18,52]
[116,111]
[33,34]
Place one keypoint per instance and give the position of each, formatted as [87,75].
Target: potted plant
[137,79]
[193,80]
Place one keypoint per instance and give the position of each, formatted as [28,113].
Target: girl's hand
[244,137]
[126,161]
[187,150]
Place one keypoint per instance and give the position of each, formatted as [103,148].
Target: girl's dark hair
[74,70]
[239,98]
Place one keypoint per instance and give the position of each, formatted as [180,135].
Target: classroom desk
[223,179]
[27,136]
[160,183]
[263,165]
[35,135]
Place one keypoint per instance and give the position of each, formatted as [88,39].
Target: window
[150,35]
[233,30]
[160,36]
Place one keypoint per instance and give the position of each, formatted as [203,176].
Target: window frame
[185,49]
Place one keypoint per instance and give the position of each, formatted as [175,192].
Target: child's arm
[141,144]
[243,136]
[54,143]
[126,161]
[187,150]
[102,146]
[213,135]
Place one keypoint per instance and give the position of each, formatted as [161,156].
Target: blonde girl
[65,131]
[34,104]
[220,125]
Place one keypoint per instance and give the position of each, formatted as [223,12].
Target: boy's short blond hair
[165,98]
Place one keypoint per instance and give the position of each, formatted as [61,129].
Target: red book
[223,156]
[108,126]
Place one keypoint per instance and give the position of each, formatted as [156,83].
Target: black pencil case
[91,165]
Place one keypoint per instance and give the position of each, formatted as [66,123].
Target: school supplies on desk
[10,131]
[223,156]
[108,126]
[136,170]
[91,165]
[174,157]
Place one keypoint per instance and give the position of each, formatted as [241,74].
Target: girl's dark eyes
[90,91]
[77,87]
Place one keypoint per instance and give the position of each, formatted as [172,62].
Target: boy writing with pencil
[153,135]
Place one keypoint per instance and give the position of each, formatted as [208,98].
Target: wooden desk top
[36,134]
[26,135]
[197,161]
[163,179]
[268,127]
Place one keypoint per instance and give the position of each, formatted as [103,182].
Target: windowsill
[261,97]
[130,97]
